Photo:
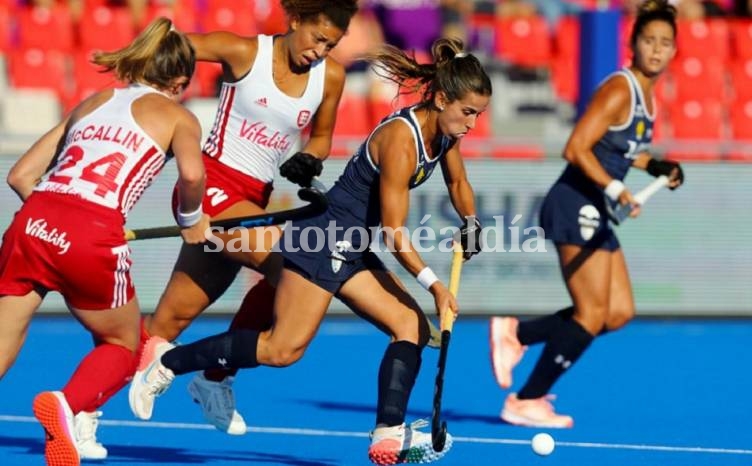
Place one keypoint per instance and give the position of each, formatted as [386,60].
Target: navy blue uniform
[575,210]
[355,209]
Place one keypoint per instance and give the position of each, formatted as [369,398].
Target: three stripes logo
[262,102]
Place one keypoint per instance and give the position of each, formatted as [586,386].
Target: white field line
[339,433]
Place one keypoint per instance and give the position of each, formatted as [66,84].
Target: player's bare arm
[29,169]
[322,126]
[235,53]
[460,191]
[609,107]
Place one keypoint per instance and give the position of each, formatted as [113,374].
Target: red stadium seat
[270,17]
[703,38]
[625,33]
[230,15]
[741,38]
[181,12]
[741,120]
[45,28]
[741,131]
[205,81]
[4,28]
[566,59]
[741,78]
[698,127]
[39,69]
[87,77]
[699,78]
[523,41]
[105,28]
[352,125]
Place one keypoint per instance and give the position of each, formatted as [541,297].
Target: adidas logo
[262,102]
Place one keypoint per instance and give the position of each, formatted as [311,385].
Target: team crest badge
[640,130]
[304,116]
[337,256]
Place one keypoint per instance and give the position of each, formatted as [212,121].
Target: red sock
[101,374]
[255,313]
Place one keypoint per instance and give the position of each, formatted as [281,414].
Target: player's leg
[587,277]
[510,337]
[99,375]
[299,307]
[15,315]
[378,296]
[621,308]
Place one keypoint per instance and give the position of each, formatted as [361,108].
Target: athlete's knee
[592,317]
[618,317]
[285,356]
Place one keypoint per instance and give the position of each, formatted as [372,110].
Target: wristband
[426,278]
[189,219]
[614,189]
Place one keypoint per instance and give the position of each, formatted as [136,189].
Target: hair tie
[460,55]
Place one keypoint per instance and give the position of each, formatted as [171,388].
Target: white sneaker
[404,444]
[151,379]
[85,426]
[218,403]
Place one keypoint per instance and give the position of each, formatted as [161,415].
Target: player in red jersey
[68,235]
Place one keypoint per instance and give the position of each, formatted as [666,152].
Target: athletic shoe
[404,444]
[506,350]
[218,403]
[52,411]
[151,379]
[538,412]
[85,424]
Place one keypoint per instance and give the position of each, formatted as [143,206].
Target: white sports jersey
[257,124]
[107,159]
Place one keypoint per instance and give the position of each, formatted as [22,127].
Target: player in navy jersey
[400,154]
[609,138]
[68,235]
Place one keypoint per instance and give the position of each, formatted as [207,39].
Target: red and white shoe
[538,412]
[506,350]
[52,411]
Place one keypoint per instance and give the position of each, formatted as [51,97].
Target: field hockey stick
[622,211]
[317,203]
[439,427]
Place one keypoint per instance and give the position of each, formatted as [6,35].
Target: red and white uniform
[256,127]
[68,235]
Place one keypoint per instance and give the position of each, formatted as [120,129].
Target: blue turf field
[657,393]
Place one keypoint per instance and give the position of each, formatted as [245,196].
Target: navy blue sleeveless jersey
[355,210]
[575,211]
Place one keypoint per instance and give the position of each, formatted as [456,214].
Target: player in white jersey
[68,234]
[275,87]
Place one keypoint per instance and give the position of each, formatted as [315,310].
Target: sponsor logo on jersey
[303,118]
[259,133]
[38,229]
[262,102]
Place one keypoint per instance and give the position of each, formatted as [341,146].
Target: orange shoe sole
[59,450]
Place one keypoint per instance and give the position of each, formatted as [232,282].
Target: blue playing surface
[656,393]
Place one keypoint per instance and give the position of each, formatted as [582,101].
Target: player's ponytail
[453,71]
[157,56]
[653,10]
